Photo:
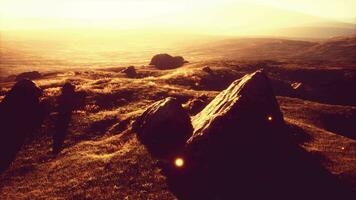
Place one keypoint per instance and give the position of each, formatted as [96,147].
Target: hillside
[338,49]
[102,158]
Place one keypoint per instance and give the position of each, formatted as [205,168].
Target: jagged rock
[236,133]
[29,75]
[208,70]
[130,72]
[246,103]
[164,127]
[242,149]
[21,113]
[166,61]
[196,105]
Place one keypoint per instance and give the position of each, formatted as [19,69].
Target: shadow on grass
[261,172]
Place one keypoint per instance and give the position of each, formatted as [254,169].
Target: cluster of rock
[237,146]
[166,61]
[22,112]
[160,61]
[248,104]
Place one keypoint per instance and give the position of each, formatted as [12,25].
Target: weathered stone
[164,127]
[235,134]
[130,72]
[29,75]
[21,113]
[247,103]
[196,105]
[166,61]
[241,149]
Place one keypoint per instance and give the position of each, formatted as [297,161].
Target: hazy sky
[28,14]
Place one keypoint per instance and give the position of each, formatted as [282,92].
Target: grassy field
[102,158]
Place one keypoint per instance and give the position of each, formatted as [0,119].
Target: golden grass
[105,164]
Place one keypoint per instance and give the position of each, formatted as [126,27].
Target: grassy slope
[101,162]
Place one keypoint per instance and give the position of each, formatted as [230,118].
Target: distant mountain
[339,49]
[318,30]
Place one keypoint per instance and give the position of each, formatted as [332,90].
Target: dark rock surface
[29,75]
[21,113]
[242,149]
[130,72]
[196,105]
[249,100]
[166,61]
[164,127]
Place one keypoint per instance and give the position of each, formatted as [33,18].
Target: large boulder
[166,61]
[29,75]
[234,135]
[164,127]
[21,113]
[248,103]
[242,149]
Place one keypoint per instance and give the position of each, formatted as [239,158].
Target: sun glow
[192,15]
[179,162]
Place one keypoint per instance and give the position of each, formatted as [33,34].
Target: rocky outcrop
[247,103]
[29,75]
[166,61]
[164,127]
[130,72]
[196,105]
[240,148]
[239,131]
[242,122]
[21,113]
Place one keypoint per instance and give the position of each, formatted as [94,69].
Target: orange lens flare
[179,162]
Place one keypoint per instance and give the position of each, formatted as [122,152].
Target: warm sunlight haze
[207,15]
[178,99]
[97,33]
